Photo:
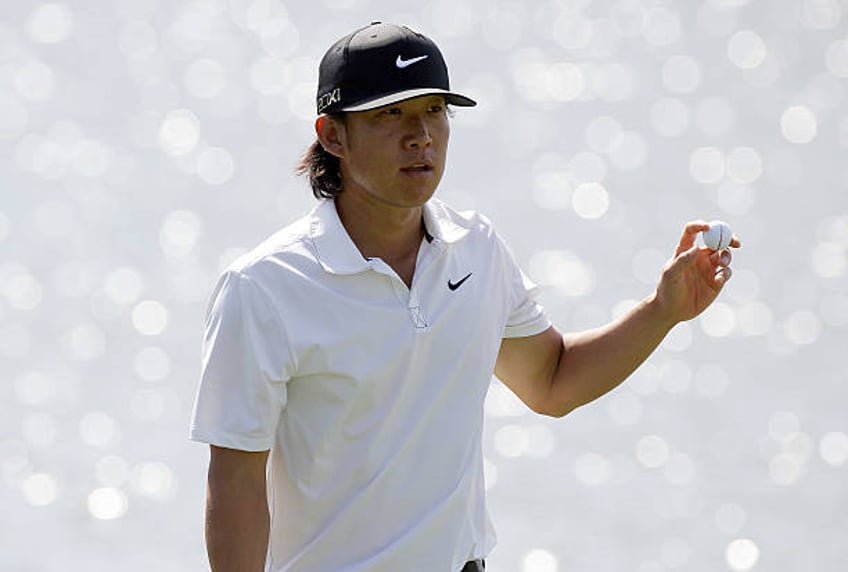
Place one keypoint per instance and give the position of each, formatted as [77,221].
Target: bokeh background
[144,144]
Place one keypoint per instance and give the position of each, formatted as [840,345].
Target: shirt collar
[337,253]
[333,246]
[441,223]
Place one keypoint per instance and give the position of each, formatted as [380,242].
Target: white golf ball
[718,236]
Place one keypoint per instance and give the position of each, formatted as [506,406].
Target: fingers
[721,258]
[690,233]
[693,227]
[684,261]
[722,276]
[712,262]
[690,255]
[720,264]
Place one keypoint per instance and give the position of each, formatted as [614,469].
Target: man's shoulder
[286,243]
[465,222]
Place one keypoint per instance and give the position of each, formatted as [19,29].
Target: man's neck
[383,231]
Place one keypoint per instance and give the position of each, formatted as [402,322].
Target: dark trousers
[474,566]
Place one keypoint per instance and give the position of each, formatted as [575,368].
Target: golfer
[346,359]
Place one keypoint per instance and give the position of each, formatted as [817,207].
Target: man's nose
[419,133]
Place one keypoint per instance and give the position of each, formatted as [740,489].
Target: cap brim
[451,97]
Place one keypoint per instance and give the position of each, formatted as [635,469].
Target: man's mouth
[417,168]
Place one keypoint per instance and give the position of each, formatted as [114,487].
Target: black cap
[379,65]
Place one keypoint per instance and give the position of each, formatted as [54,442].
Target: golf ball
[718,236]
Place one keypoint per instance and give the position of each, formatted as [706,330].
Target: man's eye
[391,111]
[437,108]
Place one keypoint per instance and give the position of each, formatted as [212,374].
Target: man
[350,354]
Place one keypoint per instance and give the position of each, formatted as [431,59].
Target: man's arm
[554,374]
[237,521]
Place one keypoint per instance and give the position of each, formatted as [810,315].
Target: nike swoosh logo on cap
[402,63]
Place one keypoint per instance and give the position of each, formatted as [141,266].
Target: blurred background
[144,144]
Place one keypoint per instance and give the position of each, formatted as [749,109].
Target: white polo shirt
[369,394]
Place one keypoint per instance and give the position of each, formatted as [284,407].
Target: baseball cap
[382,64]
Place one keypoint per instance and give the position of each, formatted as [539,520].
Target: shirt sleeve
[526,315]
[245,364]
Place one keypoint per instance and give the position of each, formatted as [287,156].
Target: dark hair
[321,168]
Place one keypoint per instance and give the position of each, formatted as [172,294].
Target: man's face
[396,154]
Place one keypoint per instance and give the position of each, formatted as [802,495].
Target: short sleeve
[245,364]
[526,315]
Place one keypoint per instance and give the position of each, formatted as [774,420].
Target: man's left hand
[693,278]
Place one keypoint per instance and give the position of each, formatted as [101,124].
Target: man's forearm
[237,521]
[237,528]
[596,361]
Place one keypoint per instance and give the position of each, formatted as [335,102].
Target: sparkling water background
[144,144]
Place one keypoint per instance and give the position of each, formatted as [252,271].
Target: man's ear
[331,134]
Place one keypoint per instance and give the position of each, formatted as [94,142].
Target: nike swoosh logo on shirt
[402,63]
[455,285]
